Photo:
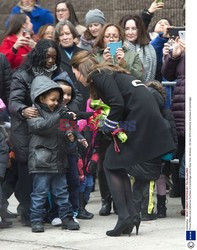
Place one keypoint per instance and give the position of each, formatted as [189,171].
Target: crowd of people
[85,103]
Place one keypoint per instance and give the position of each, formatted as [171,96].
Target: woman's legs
[120,188]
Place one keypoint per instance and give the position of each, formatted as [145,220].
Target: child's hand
[83,142]
[74,116]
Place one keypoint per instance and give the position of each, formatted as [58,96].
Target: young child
[73,140]
[159,92]
[48,161]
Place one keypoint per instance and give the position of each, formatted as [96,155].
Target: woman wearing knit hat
[94,20]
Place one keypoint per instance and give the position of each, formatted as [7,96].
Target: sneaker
[70,224]
[56,222]
[37,227]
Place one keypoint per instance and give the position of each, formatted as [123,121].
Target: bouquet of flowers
[96,121]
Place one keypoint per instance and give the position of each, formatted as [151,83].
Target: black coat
[5,78]
[135,107]
[47,146]
[4,151]
[20,99]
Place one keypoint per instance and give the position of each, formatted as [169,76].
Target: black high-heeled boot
[136,223]
[122,225]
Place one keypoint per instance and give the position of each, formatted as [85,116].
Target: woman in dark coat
[174,69]
[65,36]
[133,106]
[43,60]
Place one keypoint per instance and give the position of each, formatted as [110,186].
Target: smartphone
[174,32]
[182,35]
[114,46]
[159,1]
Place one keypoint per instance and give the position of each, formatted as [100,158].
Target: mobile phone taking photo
[113,46]
[182,35]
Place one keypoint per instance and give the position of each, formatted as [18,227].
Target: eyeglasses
[48,33]
[111,36]
[62,10]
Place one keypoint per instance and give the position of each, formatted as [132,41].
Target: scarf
[147,56]
[43,71]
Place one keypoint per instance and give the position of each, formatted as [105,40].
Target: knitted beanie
[94,16]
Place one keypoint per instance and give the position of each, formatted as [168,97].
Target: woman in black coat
[43,60]
[133,106]
[65,36]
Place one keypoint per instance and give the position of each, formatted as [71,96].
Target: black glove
[64,114]
[83,115]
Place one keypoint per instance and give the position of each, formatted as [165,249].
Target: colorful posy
[96,121]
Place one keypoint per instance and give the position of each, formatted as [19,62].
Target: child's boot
[161,206]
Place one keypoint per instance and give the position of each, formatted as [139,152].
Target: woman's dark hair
[72,18]
[100,39]
[153,27]
[15,24]
[143,37]
[37,57]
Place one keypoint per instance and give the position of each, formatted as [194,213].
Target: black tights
[120,188]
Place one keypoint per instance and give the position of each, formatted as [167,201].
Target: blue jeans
[42,184]
[86,186]
[73,182]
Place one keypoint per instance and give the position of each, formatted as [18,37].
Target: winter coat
[166,114]
[135,109]
[158,44]
[174,69]
[5,78]
[47,151]
[147,56]
[38,16]
[82,93]
[17,58]
[20,99]
[132,63]
[4,151]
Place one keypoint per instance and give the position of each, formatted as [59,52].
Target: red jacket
[14,59]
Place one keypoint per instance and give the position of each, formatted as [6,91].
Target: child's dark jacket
[47,147]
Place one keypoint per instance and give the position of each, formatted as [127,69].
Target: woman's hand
[155,6]
[178,48]
[106,54]
[31,43]
[30,112]
[21,41]
[120,55]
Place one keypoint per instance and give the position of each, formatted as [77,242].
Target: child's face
[51,99]
[67,93]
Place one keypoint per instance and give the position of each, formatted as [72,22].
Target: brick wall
[113,9]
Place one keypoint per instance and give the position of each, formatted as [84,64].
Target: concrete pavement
[162,234]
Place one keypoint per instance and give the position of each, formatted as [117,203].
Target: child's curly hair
[158,86]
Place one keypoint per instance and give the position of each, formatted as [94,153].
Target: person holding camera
[17,40]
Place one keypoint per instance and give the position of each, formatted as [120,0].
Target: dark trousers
[24,189]
[73,182]
[10,183]
[103,186]
[143,196]
[42,185]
